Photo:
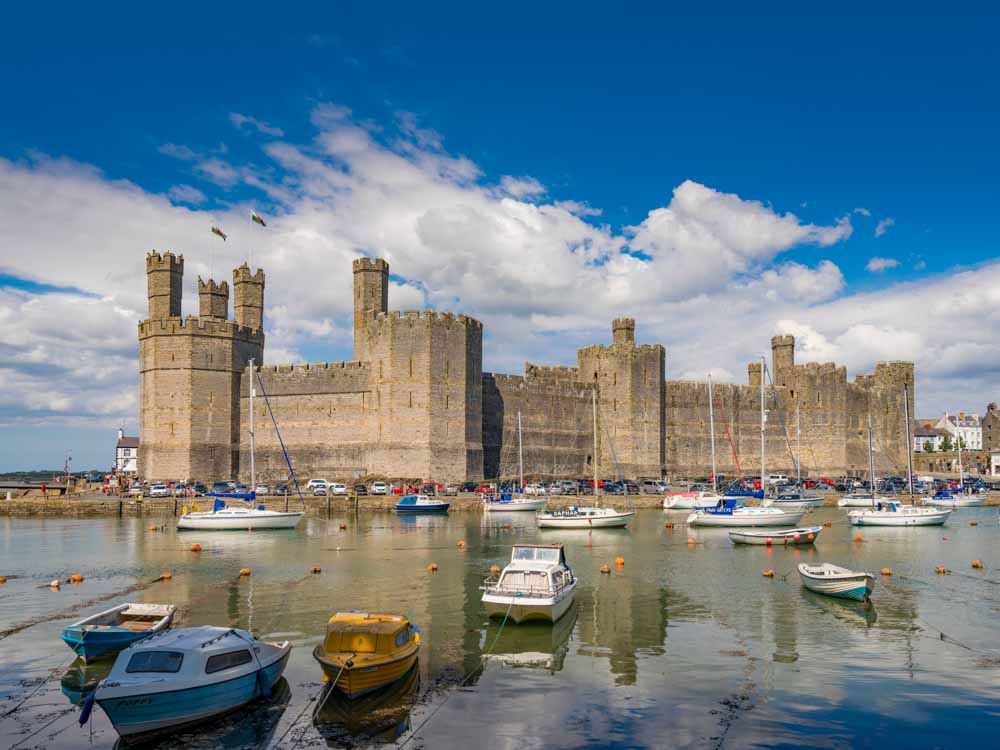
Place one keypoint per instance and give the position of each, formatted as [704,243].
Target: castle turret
[623,331]
[371,297]
[248,297]
[783,360]
[164,276]
[213,299]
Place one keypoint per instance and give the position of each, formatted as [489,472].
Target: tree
[946,444]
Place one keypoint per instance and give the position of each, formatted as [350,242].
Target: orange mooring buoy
[54,584]
[859,538]
[343,527]
[973,523]
[316,569]
[977,564]
[768,573]
[166,576]
[619,561]
[461,544]
[3,579]
[432,568]
[76,578]
[668,525]
[196,547]
[245,571]
[887,571]
[940,570]
[494,570]
[827,524]
[692,540]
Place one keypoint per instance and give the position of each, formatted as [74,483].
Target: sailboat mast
[961,471]
[253,465]
[594,394]
[798,447]
[520,452]
[871,457]
[763,372]
[711,423]
[909,442]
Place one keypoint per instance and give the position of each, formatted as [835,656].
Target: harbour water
[685,645]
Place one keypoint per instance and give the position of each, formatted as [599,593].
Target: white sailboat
[514,501]
[728,512]
[596,517]
[797,499]
[889,512]
[224,517]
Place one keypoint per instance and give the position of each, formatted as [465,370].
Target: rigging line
[38,687]
[781,417]
[281,442]
[732,446]
[44,726]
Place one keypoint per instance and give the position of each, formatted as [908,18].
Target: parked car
[379,488]
[428,489]
[650,486]
[314,483]
[631,488]
[450,489]
[282,488]
[318,490]
[360,488]
[179,490]
[262,489]
[468,487]
[159,490]
[199,489]
[612,488]
[338,489]
[534,489]
[220,487]
[137,490]
[569,487]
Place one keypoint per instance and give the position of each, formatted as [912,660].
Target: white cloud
[883,226]
[521,187]
[709,282]
[177,151]
[239,121]
[863,211]
[186,194]
[877,264]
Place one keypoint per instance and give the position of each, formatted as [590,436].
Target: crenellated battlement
[212,287]
[891,375]
[242,273]
[370,264]
[560,373]
[166,261]
[314,368]
[199,326]
[393,318]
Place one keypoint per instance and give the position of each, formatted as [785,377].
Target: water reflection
[382,716]
[81,679]
[534,645]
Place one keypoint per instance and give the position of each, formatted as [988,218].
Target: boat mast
[594,394]
[520,452]
[763,372]
[253,466]
[871,457]
[909,442]
[711,422]
[798,447]
[961,471]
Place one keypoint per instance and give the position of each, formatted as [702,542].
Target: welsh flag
[219,233]
[255,217]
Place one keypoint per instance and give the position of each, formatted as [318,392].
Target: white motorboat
[861,500]
[947,499]
[833,580]
[182,677]
[794,500]
[238,518]
[781,537]
[584,518]
[728,514]
[506,502]
[690,500]
[894,514]
[537,584]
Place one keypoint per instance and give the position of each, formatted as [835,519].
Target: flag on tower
[255,217]
[219,232]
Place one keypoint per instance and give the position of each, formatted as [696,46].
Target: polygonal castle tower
[189,371]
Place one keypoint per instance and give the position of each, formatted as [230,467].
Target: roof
[128,442]
[205,637]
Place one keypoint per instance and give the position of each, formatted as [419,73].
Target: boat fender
[88,706]
[796,537]
[605,568]
[810,536]
[184,510]
[265,689]
[768,541]
[495,570]
[3,579]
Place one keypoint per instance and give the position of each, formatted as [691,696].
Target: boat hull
[857,587]
[153,713]
[897,518]
[525,609]
[360,680]
[514,505]
[617,520]
[236,522]
[792,537]
[738,520]
[101,644]
[430,508]
[963,501]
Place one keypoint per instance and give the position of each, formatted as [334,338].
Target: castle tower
[630,382]
[164,274]
[213,299]
[248,297]
[783,360]
[371,297]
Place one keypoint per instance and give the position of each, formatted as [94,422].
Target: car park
[159,490]
[428,489]
[631,488]
[379,488]
[534,489]
[262,489]
[220,487]
[179,490]
[338,489]
[198,489]
[450,489]
[312,484]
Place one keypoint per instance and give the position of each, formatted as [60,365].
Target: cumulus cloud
[702,274]
[186,194]
[883,226]
[245,121]
[877,264]
[178,151]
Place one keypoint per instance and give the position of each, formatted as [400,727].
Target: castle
[416,404]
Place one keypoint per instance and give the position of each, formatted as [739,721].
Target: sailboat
[510,501]
[797,499]
[224,517]
[729,513]
[960,499]
[891,513]
[588,517]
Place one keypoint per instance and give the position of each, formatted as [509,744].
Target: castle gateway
[416,404]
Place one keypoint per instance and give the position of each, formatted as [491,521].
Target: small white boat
[690,500]
[506,502]
[185,676]
[584,518]
[786,537]
[894,514]
[861,500]
[832,580]
[728,514]
[794,500]
[537,584]
[238,518]
[948,499]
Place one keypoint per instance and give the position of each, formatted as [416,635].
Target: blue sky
[813,112]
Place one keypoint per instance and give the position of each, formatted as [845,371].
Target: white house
[995,462]
[126,454]
[927,439]
[966,427]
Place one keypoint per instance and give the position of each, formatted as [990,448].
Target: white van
[773,479]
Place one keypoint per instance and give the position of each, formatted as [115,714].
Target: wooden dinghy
[779,537]
[115,629]
[833,580]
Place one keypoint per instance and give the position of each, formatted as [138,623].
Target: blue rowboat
[832,580]
[115,629]
[184,677]
[420,504]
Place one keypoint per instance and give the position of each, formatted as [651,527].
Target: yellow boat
[364,651]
